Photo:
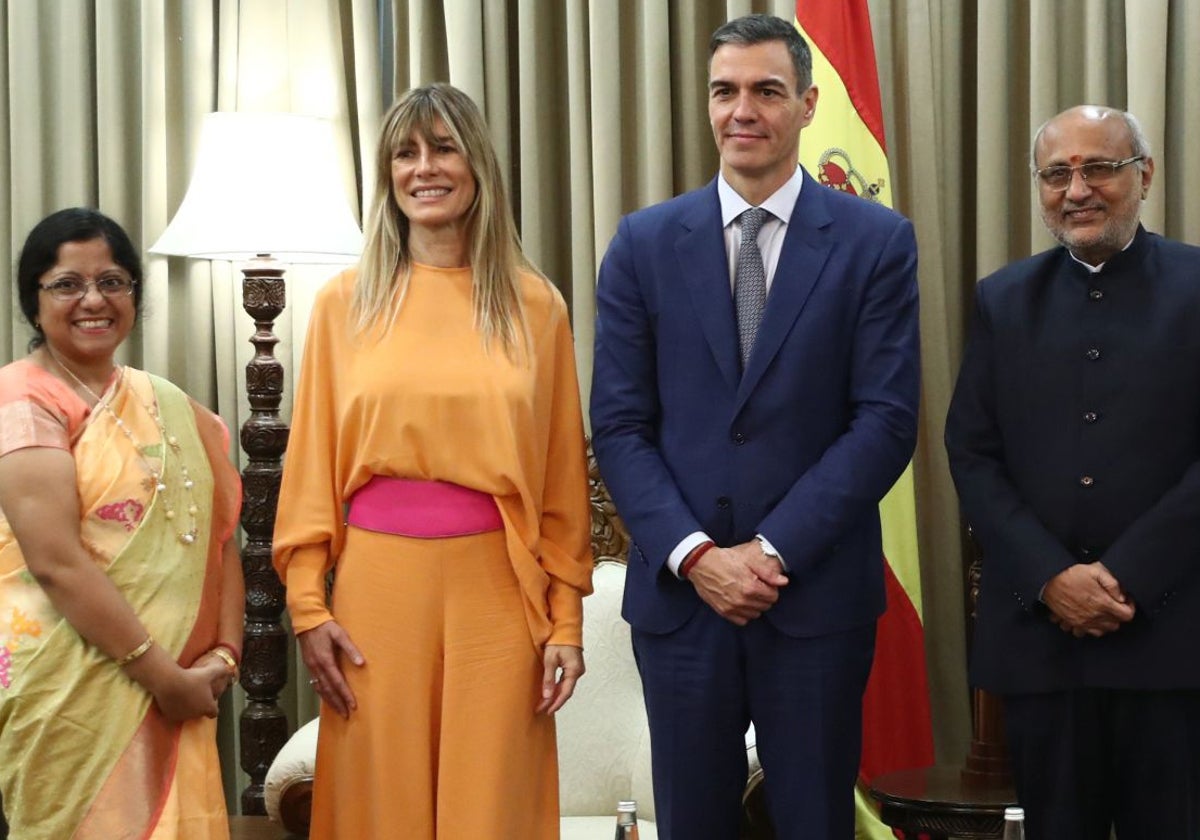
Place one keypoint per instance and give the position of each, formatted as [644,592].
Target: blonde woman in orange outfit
[437,465]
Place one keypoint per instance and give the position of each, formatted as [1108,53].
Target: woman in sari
[437,403]
[120,588]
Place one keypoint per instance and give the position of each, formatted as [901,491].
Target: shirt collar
[779,204]
[1095,269]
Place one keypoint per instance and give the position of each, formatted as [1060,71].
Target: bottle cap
[627,805]
[1012,813]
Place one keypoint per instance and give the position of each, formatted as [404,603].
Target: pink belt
[426,509]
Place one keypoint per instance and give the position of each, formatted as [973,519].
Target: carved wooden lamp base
[263,725]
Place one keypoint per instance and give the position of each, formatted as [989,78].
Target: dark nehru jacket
[1074,435]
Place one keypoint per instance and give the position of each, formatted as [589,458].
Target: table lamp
[265,190]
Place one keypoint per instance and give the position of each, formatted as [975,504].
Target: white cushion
[295,761]
[603,738]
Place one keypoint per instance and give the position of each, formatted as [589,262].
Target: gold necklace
[158,477]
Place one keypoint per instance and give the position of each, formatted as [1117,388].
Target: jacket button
[1090,417]
[739,438]
[1086,481]
[723,502]
[1096,294]
[1093,354]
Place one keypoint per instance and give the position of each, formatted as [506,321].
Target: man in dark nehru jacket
[1074,440]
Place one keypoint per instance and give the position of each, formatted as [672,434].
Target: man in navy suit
[747,448]
[1074,440]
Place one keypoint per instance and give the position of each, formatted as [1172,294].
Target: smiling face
[432,180]
[756,115]
[87,331]
[1094,222]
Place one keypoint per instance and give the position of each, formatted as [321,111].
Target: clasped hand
[1086,600]
[740,583]
[192,692]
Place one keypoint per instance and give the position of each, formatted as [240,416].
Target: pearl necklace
[158,477]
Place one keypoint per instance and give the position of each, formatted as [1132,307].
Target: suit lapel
[705,267]
[805,251]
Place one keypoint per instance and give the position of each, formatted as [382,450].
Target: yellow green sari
[84,752]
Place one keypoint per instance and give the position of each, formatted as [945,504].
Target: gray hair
[1137,136]
[758,29]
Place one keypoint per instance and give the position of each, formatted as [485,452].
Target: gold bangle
[228,659]
[136,653]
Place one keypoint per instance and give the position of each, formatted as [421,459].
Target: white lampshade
[264,183]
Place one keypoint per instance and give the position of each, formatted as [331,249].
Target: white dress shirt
[780,205]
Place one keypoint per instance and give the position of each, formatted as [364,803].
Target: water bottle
[627,828]
[1014,823]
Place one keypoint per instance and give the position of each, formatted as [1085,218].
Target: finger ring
[314,681]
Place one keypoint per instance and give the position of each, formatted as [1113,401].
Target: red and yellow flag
[844,148]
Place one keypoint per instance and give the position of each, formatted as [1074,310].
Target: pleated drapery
[596,108]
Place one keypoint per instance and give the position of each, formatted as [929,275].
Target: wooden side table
[941,803]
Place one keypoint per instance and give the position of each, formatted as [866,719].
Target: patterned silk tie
[750,281]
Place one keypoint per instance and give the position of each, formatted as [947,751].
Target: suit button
[1090,417]
[739,438]
[1096,294]
[1086,481]
[1093,354]
[723,502]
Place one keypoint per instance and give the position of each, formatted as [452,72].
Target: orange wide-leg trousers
[444,744]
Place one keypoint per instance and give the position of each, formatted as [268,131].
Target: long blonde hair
[494,247]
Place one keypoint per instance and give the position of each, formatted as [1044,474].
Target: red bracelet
[694,556]
[234,652]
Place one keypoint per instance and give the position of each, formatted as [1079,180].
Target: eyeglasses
[75,288]
[1095,173]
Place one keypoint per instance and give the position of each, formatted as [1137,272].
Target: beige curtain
[597,107]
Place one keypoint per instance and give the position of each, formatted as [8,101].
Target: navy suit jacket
[1074,435]
[799,447]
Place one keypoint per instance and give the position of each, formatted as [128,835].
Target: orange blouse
[426,400]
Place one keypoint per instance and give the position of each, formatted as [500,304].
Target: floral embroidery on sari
[128,512]
[19,625]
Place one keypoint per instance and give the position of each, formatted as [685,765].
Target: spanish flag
[844,149]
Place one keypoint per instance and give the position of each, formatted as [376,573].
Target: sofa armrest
[295,806]
[287,790]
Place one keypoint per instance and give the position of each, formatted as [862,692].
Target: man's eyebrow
[768,82]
